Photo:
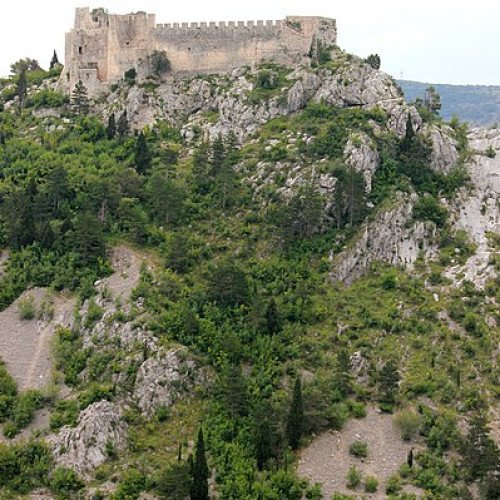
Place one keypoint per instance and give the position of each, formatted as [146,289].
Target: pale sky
[437,41]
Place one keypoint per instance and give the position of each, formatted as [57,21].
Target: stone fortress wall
[102,47]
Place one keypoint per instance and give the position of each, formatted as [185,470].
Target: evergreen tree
[374,61]
[355,193]
[111,130]
[142,156]
[217,157]
[202,169]
[344,375]
[166,198]
[228,285]
[480,453]
[295,421]
[79,99]
[235,391]
[339,196]
[123,127]
[388,383]
[22,88]
[301,217]
[262,433]
[54,61]
[199,485]
[407,141]
[225,185]
[273,319]
[432,100]
[88,240]
[174,483]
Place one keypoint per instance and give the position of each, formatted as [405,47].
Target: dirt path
[25,345]
[327,459]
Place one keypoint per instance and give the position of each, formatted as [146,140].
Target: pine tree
[388,383]
[273,319]
[355,190]
[166,198]
[174,482]
[480,453]
[111,130]
[262,433]
[217,157]
[202,169]
[235,391]
[123,127]
[79,99]
[54,60]
[339,196]
[344,375]
[22,88]
[88,240]
[295,419]
[199,485]
[142,156]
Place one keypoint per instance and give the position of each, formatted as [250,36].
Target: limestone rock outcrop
[165,378]
[392,237]
[100,431]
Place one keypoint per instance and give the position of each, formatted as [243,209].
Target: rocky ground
[327,459]
[25,345]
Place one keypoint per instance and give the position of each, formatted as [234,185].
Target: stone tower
[102,47]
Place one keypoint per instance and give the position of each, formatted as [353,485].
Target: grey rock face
[100,428]
[477,211]
[362,155]
[444,154]
[165,378]
[391,237]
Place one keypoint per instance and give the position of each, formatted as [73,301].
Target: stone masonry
[102,47]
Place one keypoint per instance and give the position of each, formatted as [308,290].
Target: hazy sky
[438,41]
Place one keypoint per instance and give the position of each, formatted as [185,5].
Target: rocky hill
[292,260]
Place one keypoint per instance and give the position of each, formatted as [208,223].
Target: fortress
[102,47]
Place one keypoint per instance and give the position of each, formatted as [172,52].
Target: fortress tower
[102,47]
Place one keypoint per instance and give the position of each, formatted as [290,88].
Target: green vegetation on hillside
[246,288]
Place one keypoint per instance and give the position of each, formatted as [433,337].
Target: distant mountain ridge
[476,104]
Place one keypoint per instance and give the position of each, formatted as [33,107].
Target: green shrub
[490,152]
[353,477]
[357,409]
[10,429]
[130,486]
[408,422]
[371,484]
[47,98]
[24,466]
[94,314]
[393,485]
[65,413]
[359,449]
[64,481]
[428,208]
[26,308]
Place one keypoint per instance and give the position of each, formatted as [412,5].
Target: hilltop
[287,257]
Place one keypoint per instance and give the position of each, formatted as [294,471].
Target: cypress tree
[235,391]
[22,88]
[123,127]
[295,419]
[388,383]
[111,130]
[54,60]
[142,154]
[273,320]
[262,433]
[217,156]
[199,486]
[344,372]
[79,99]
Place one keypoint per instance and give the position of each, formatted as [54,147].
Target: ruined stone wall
[102,47]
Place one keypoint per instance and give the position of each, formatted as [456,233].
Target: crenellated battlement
[222,25]
[102,47]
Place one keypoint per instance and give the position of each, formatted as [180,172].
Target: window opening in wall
[80,50]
